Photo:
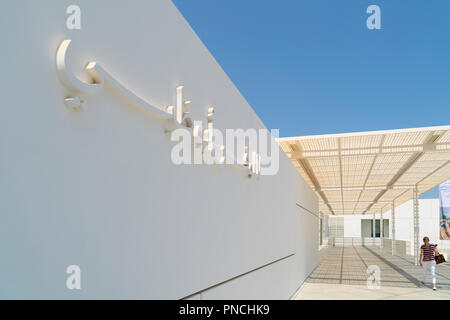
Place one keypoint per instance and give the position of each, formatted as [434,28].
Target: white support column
[381,229]
[393,227]
[320,228]
[373,229]
[416,224]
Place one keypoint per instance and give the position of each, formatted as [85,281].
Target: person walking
[426,260]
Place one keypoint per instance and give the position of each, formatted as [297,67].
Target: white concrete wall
[352,226]
[98,189]
[428,222]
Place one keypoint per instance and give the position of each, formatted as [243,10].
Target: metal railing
[402,247]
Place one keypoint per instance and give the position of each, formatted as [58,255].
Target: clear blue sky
[313,67]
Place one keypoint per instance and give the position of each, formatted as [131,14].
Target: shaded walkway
[343,275]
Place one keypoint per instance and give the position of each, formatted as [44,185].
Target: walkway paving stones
[343,275]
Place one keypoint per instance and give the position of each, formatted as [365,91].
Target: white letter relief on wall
[176,116]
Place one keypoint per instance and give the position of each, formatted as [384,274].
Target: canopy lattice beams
[366,172]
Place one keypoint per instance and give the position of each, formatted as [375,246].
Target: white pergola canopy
[368,172]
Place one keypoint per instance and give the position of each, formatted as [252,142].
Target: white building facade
[87,179]
[360,226]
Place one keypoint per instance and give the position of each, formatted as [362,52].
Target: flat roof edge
[365,133]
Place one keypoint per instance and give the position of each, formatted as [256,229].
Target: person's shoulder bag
[439,258]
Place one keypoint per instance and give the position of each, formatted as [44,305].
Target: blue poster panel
[444,202]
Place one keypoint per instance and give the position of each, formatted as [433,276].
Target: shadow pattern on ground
[348,265]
